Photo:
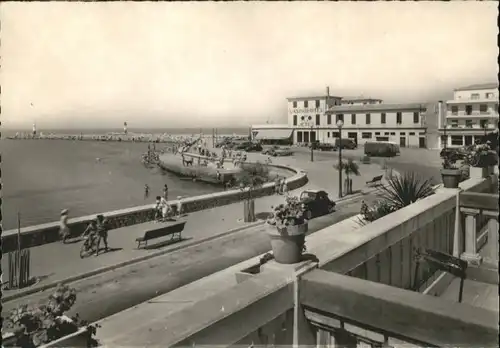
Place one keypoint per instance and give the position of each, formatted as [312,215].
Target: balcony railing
[367,290]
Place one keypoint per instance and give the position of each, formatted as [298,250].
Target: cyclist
[90,233]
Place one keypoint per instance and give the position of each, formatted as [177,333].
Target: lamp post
[339,125]
[312,144]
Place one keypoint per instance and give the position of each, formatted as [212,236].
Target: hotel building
[314,118]
[471,114]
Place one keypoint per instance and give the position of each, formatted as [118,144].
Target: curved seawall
[49,232]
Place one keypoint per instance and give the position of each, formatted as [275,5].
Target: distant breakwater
[119,137]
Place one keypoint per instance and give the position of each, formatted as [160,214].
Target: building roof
[376,107]
[478,86]
[312,97]
[360,98]
[273,134]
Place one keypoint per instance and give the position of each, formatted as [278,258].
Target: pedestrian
[165,191]
[179,205]
[146,191]
[285,188]
[277,185]
[102,233]
[63,225]
[282,185]
[158,208]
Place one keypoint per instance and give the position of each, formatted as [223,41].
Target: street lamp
[340,123]
[312,144]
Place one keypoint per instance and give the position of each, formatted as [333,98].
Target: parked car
[269,150]
[281,151]
[346,143]
[325,147]
[317,203]
[381,149]
[224,141]
[253,147]
[461,152]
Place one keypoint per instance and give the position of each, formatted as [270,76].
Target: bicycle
[89,246]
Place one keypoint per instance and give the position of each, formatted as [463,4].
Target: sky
[93,65]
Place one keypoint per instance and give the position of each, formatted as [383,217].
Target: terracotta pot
[287,242]
[451,177]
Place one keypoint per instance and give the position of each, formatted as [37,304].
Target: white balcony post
[458,235]
[492,245]
[470,254]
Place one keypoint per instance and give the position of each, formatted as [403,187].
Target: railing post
[458,235]
[492,245]
[470,255]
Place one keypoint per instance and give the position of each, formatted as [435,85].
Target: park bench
[155,230]
[375,181]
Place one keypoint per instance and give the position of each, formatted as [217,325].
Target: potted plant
[450,173]
[481,156]
[288,230]
[32,326]
[250,178]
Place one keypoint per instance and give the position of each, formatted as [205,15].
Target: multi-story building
[400,123]
[471,114]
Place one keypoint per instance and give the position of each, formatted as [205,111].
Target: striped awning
[273,134]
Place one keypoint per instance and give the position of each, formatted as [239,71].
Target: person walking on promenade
[63,225]
[277,182]
[165,191]
[146,191]
[285,188]
[282,185]
[102,233]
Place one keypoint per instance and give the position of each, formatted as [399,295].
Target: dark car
[253,147]
[316,203]
[324,147]
[460,152]
[270,150]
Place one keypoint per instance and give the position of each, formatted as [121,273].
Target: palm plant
[403,190]
[349,167]
[250,178]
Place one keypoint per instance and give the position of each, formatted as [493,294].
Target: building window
[353,118]
[474,96]
[377,133]
[468,109]
[306,104]
[317,104]
[366,135]
[412,133]
[454,110]
[484,123]
[335,134]
[468,140]
[386,133]
[489,95]
[294,104]
[402,133]
[368,120]
[468,123]
[329,119]
[302,118]
[309,118]
[393,133]
[299,137]
[294,120]
[339,117]
[454,123]
[483,108]
[382,118]
[399,118]
[457,140]
[317,119]
[416,117]
[328,135]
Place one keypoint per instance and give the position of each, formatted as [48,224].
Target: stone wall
[49,233]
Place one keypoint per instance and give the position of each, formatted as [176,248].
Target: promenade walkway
[55,262]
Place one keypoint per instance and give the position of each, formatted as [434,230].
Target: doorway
[353,136]
[468,140]
[313,136]
[421,143]
[306,137]
[402,141]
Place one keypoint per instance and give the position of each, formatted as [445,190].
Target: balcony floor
[475,293]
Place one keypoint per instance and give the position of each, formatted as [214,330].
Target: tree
[250,178]
[349,167]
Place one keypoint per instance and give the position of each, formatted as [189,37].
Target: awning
[273,134]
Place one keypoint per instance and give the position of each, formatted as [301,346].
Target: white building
[400,123]
[471,114]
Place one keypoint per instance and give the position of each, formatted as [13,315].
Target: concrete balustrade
[270,304]
[49,232]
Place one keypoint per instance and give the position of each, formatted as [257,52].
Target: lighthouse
[125,128]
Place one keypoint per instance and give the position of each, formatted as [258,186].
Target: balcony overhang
[402,314]
[472,101]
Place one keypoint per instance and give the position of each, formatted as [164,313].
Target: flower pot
[287,242]
[451,177]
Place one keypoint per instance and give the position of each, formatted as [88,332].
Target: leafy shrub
[290,213]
